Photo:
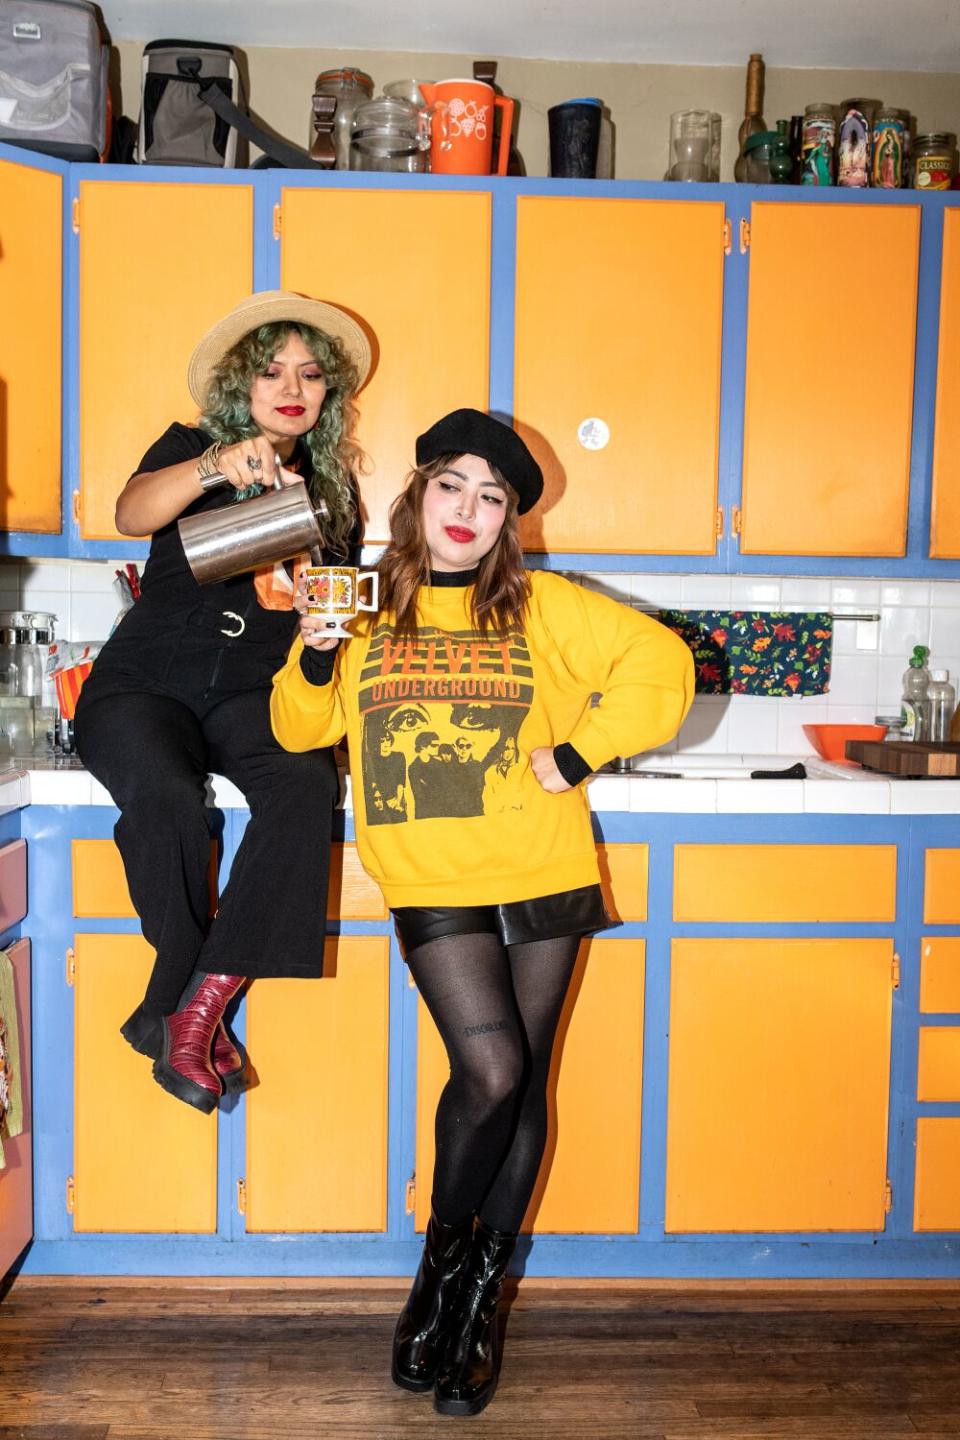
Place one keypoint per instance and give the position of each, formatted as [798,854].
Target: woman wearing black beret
[467,703]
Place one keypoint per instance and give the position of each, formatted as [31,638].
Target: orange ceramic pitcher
[462,127]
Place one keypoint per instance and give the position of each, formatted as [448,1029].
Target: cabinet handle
[734,519]
[410,1199]
[719,526]
[71,1195]
[895,975]
[727,237]
[76,507]
[75,216]
[744,236]
[277,221]
[241,1197]
[71,965]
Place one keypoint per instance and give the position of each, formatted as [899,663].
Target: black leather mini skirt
[571,912]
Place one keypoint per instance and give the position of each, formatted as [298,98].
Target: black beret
[471,432]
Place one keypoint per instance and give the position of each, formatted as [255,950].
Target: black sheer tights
[497,1011]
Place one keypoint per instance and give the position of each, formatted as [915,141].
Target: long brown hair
[502,589]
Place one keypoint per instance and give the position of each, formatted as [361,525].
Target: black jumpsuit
[180,689]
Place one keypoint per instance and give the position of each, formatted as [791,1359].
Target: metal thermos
[274,526]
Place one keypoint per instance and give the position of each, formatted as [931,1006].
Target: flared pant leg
[272,916]
[149,752]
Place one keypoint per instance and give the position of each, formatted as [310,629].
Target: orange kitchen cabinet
[159,263]
[945,508]
[936,1191]
[143,1161]
[317,1119]
[829,383]
[778,1084]
[939,974]
[623,875]
[938,1064]
[352,895]
[758,883]
[31,227]
[100,883]
[618,320]
[415,270]
[590,1178]
[941,887]
[16,1178]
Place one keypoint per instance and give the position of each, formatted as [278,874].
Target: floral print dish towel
[751,652]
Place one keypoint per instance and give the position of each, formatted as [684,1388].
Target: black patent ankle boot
[470,1366]
[419,1336]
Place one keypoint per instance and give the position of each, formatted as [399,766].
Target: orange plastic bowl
[830,741]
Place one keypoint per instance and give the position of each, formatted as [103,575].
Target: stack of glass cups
[694,145]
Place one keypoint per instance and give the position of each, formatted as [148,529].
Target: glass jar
[854,144]
[16,725]
[691,145]
[408,90]
[350,88]
[888,150]
[818,144]
[934,159]
[390,135]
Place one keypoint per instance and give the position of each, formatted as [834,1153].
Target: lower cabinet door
[317,1120]
[16,1177]
[589,1181]
[778,1085]
[143,1161]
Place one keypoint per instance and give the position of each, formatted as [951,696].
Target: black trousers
[153,753]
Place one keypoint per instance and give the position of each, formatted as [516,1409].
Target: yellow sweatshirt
[446,807]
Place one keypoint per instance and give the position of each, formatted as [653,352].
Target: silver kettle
[274,526]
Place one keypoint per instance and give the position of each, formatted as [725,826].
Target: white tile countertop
[684,784]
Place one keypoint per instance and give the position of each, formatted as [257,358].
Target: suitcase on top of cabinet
[54,95]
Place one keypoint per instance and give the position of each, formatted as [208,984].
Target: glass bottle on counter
[914,702]
[753,121]
[942,699]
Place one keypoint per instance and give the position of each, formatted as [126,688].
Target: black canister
[574,139]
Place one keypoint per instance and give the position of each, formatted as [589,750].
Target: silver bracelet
[208,465]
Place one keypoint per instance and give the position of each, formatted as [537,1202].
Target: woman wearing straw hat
[182,687]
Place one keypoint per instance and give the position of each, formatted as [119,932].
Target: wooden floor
[239,1361]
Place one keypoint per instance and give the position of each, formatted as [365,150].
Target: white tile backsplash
[865,681]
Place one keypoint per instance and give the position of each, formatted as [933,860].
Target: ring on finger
[254,463]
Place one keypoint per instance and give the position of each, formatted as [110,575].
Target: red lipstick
[462,537]
[291,409]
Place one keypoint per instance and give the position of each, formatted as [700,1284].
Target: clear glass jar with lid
[350,88]
[934,161]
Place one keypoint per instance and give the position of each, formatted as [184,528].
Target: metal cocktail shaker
[274,526]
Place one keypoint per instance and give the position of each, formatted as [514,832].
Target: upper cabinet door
[829,390]
[945,520]
[619,307]
[31,225]
[159,264]
[414,267]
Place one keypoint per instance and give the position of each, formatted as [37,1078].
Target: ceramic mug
[462,127]
[333,594]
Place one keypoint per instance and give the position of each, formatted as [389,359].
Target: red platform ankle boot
[185,1065]
[229,1062]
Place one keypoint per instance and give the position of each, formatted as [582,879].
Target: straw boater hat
[264,308]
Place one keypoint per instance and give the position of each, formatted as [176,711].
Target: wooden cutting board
[902,757]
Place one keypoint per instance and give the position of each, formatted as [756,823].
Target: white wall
[868,659]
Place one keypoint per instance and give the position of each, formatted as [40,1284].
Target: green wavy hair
[335,457]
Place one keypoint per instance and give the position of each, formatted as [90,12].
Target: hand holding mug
[331,596]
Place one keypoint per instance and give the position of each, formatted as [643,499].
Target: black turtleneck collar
[453,579]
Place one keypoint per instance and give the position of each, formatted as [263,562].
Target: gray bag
[177,127]
[53,77]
